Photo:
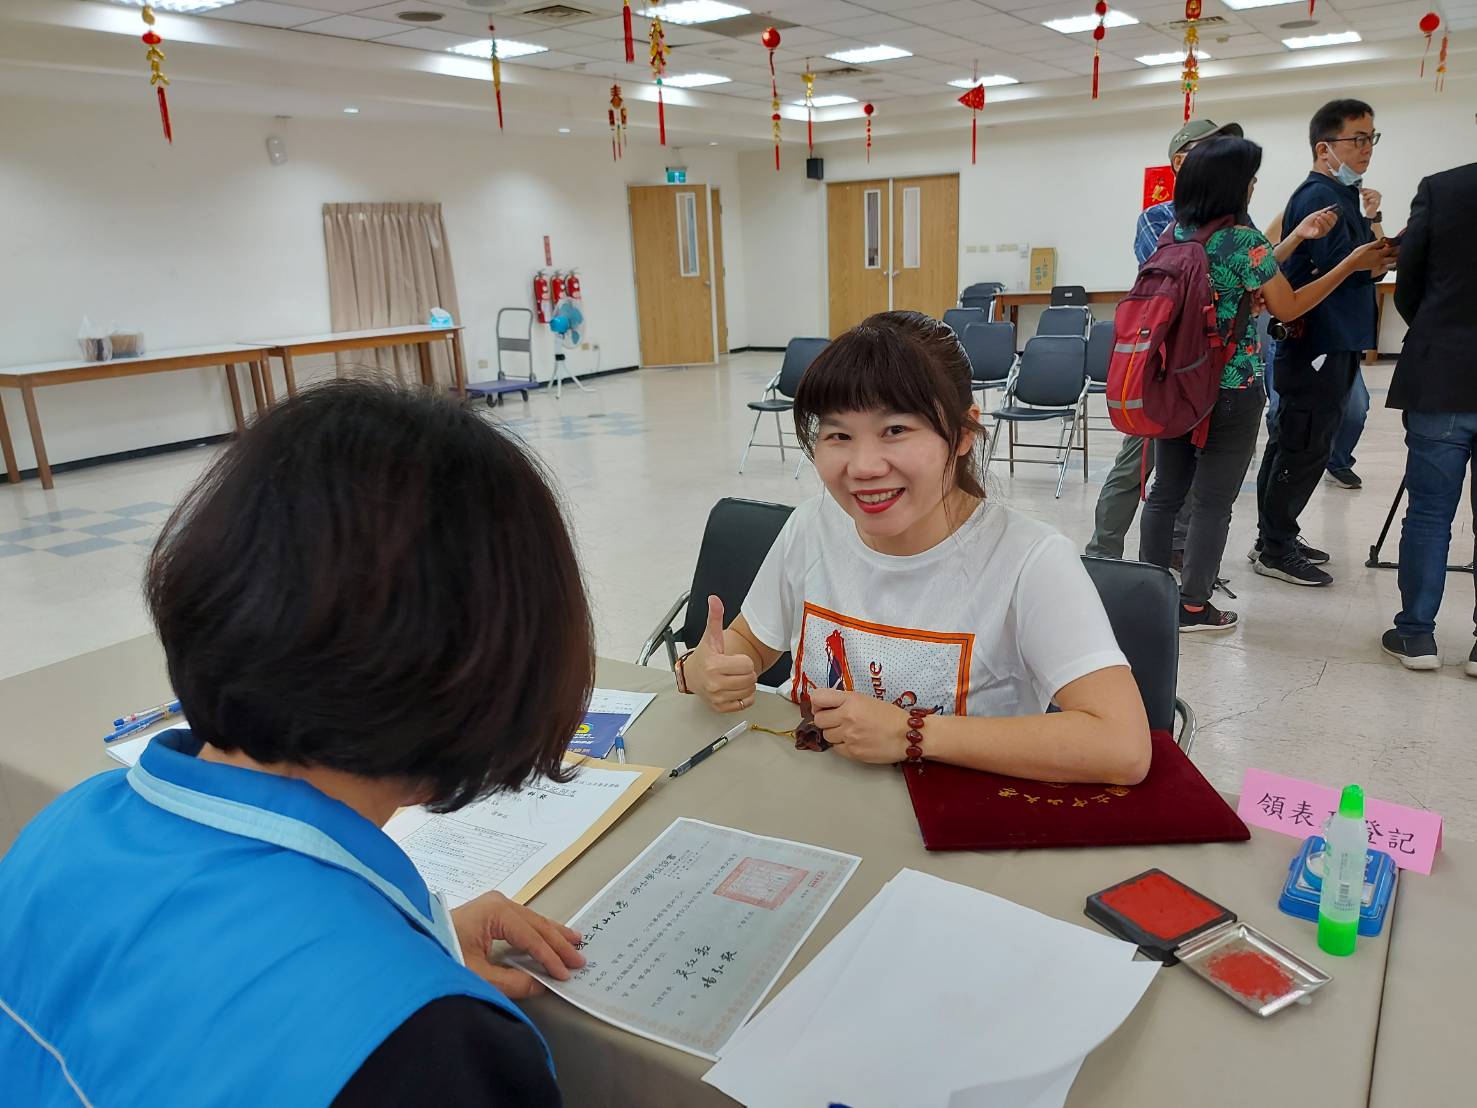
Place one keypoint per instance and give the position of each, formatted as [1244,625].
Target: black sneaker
[1291,567]
[1344,478]
[1209,618]
[1312,553]
[1471,666]
[1414,651]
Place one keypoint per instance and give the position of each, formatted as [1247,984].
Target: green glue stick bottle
[1343,875]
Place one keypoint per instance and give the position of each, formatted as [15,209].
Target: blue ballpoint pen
[142,724]
[134,717]
[620,749]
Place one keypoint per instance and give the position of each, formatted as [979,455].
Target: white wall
[205,241]
[1073,185]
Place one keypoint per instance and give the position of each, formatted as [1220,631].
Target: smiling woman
[924,620]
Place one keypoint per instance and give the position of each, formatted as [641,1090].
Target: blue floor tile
[140,509]
[63,513]
[85,546]
[32,532]
[112,526]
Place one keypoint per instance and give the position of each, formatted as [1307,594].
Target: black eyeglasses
[1360,141]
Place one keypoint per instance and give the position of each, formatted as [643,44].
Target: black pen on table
[712,748]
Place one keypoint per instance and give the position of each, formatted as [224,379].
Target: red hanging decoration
[155,57]
[1190,77]
[630,39]
[1429,24]
[867,110]
[809,78]
[1097,41]
[1310,6]
[497,74]
[617,116]
[1440,66]
[771,40]
[974,100]
[659,70]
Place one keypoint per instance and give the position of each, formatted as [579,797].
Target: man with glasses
[1318,363]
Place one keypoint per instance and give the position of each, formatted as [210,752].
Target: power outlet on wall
[482,363]
[1007,248]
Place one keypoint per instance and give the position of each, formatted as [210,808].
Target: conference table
[419,335]
[1390,1028]
[29,378]
[1011,303]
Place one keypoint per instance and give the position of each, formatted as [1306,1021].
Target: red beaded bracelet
[916,716]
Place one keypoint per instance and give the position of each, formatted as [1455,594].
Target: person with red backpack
[1186,367]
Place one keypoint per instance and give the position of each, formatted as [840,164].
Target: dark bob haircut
[1215,179]
[377,581]
[1329,120]
[904,362]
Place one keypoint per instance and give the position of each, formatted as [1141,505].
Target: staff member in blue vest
[369,601]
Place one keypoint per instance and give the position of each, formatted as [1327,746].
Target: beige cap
[1198,129]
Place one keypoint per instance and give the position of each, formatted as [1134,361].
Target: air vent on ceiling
[843,71]
[1203,22]
[421,17]
[1298,24]
[745,26]
[558,13]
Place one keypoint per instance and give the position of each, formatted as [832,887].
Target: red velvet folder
[966,809]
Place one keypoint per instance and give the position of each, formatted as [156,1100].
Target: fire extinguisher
[541,303]
[572,285]
[556,288]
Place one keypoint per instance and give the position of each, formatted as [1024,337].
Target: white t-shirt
[993,621]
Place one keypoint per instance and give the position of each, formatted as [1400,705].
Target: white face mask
[1343,174]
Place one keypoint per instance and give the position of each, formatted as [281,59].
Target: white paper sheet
[685,942]
[619,702]
[128,751]
[1010,1002]
[502,842]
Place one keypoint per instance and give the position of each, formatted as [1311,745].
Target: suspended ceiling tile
[352,26]
[263,14]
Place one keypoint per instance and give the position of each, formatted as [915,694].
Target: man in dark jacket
[1317,364]
[1435,383]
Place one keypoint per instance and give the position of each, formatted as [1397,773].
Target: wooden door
[674,280]
[925,244]
[720,272]
[858,246]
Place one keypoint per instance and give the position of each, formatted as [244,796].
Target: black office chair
[992,356]
[960,318]
[1142,602]
[981,295]
[738,536]
[1050,383]
[1068,294]
[1062,320]
[779,395]
[1099,354]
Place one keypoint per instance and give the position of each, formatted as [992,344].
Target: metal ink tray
[1201,953]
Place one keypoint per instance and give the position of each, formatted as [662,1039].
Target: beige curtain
[388,266]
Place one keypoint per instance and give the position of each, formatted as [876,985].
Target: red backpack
[1164,375]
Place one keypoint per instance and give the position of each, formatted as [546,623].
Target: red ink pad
[1249,973]
[1156,912]
[1254,970]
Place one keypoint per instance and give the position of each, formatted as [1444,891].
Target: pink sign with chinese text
[1411,836]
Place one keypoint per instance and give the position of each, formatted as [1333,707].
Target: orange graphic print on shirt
[903,665]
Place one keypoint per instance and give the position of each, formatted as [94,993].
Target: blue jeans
[1441,448]
[1356,411]
[1351,427]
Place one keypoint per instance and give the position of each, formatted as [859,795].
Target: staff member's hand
[492,918]
[1317,224]
[727,682]
[1372,200]
[861,727]
[1377,256]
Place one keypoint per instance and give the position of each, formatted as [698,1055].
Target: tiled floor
[1300,688]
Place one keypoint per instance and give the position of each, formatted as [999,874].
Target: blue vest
[196,934]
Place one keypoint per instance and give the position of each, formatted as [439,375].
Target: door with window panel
[674,277]
[859,250]
[892,243]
